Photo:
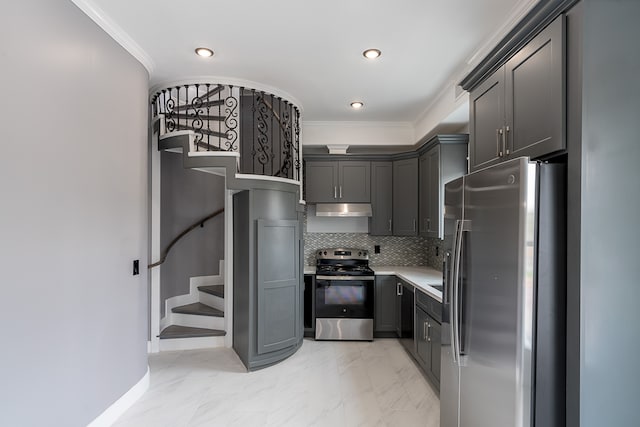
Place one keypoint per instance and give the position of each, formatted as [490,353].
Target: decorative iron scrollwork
[231,120]
[264,151]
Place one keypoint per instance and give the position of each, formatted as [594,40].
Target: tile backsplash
[394,251]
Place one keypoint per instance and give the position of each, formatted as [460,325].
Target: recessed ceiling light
[371,53]
[357,105]
[204,52]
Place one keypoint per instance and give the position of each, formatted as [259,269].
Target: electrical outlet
[136,267]
[376,249]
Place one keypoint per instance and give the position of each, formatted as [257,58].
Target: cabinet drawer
[432,307]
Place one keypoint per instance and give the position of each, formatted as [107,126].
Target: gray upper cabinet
[338,182]
[535,89]
[321,182]
[486,122]
[443,162]
[405,197]
[520,109]
[380,224]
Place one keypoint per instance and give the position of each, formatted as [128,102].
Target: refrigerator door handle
[453,289]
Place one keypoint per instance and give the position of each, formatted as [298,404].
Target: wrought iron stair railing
[263,128]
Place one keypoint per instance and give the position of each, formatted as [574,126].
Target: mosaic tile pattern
[394,250]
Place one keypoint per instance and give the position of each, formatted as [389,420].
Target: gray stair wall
[186,196]
[74,216]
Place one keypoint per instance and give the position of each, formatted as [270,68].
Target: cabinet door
[433,192]
[405,197]
[385,304]
[381,199]
[321,182]
[354,182]
[278,284]
[535,95]
[423,193]
[423,347]
[486,122]
[435,334]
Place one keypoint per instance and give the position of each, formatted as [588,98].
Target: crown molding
[105,22]
[356,124]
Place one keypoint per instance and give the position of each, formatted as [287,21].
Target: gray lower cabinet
[428,336]
[405,197]
[268,283]
[385,306]
[520,109]
[338,181]
[444,161]
[381,221]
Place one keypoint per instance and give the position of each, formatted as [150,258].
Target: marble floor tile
[325,384]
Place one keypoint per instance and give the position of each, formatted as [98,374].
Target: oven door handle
[345,278]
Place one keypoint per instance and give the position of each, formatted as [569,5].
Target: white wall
[357,133]
[73,179]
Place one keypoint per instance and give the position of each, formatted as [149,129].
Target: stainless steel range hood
[343,209]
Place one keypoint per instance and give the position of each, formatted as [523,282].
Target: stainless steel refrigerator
[503,328]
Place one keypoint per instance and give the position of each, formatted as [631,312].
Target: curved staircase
[250,137]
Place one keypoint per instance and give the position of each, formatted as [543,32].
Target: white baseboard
[191,343]
[113,412]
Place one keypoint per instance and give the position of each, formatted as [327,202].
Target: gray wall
[610,271]
[187,196]
[73,180]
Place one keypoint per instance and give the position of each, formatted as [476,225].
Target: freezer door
[449,370]
[496,296]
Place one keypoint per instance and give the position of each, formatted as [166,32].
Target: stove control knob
[319,252]
[359,253]
[325,252]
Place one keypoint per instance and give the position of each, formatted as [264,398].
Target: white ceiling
[312,50]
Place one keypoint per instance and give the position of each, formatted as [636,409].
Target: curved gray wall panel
[73,180]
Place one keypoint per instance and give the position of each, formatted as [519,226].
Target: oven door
[344,297]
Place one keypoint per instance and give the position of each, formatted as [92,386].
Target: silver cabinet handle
[399,289]
[498,133]
[428,224]
[424,331]
[428,331]
[341,191]
[506,148]
[389,225]
[504,142]
[335,192]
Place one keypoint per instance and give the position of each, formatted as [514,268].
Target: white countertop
[420,277]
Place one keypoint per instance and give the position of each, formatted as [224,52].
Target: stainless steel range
[344,294]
